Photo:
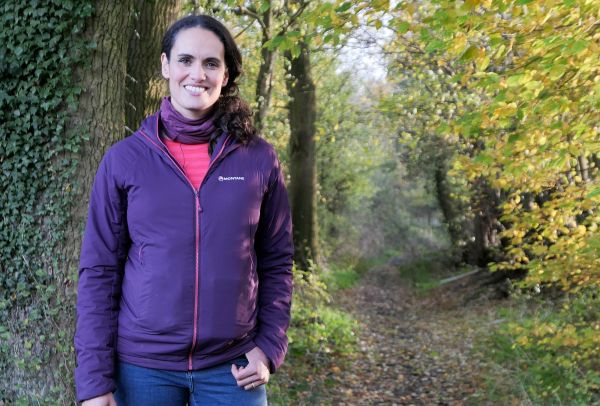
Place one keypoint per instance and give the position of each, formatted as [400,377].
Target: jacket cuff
[98,390]
[274,354]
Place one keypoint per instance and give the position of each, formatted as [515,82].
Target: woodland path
[415,348]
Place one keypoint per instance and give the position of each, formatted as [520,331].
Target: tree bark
[303,170]
[145,85]
[100,114]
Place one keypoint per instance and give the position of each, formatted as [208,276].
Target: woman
[185,272]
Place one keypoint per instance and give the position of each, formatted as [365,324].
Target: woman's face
[196,71]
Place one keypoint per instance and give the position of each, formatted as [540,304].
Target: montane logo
[228,178]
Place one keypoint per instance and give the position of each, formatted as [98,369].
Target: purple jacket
[180,279]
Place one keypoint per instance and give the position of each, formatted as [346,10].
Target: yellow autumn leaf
[459,44]
[505,110]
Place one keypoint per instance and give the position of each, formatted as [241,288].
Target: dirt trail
[414,349]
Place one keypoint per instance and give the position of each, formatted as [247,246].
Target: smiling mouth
[195,90]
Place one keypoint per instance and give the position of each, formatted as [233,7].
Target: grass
[345,274]
[427,269]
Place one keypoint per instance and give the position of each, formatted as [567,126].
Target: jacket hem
[200,361]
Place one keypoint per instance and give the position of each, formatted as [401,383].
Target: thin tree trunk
[265,73]
[445,201]
[303,170]
[145,85]
[583,168]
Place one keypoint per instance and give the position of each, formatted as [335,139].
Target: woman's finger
[254,385]
[248,380]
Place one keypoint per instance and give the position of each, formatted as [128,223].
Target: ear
[164,61]
[225,78]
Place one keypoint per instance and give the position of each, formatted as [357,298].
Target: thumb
[234,370]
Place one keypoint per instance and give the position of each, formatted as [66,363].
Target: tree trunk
[265,74]
[145,85]
[485,224]
[445,202]
[303,169]
[101,114]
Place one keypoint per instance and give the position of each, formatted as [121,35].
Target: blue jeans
[139,386]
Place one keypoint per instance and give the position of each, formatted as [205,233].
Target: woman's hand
[105,400]
[254,374]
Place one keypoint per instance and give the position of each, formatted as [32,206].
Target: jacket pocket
[141,253]
[230,344]
[247,297]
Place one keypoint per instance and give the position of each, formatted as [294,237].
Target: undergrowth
[320,336]
[547,351]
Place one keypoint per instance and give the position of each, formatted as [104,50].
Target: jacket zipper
[196,285]
[165,150]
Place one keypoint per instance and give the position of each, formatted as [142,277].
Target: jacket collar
[148,132]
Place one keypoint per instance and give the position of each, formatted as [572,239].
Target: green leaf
[557,71]
[344,7]
[578,46]
[264,6]
[470,54]
[295,50]
[274,43]
[434,45]
[560,161]
[442,128]
[593,193]
[514,138]
[482,158]
[403,27]
[515,80]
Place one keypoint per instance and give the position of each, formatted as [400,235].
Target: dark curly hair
[232,115]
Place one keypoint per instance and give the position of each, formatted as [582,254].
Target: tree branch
[251,13]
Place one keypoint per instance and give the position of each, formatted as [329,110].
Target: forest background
[467,129]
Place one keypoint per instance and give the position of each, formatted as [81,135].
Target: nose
[197,72]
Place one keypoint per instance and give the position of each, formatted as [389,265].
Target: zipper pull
[198,200]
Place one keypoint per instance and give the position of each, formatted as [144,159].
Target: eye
[186,60]
[212,65]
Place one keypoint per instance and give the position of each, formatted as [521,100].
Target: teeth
[195,89]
